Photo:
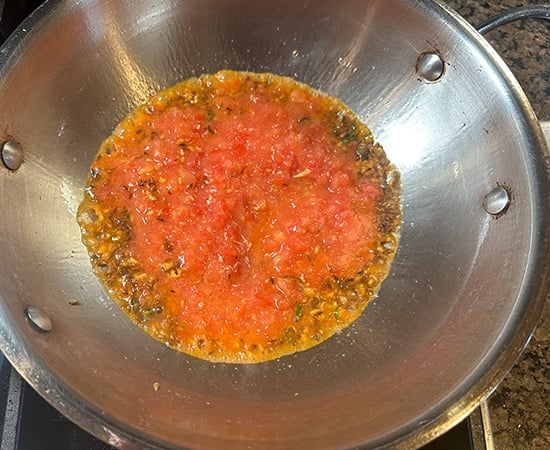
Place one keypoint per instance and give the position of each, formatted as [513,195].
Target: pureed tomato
[239,217]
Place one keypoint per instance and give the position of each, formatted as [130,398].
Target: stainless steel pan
[464,292]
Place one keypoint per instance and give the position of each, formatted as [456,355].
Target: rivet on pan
[430,67]
[39,318]
[12,155]
[497,201]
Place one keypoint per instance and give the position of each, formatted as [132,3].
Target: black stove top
[28,422]
[12,12]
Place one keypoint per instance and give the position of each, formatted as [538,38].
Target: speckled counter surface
[520,407]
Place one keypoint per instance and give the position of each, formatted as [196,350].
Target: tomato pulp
[239,217]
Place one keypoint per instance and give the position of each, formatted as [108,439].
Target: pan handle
[510,15]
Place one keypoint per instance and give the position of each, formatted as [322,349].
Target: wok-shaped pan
[467,284]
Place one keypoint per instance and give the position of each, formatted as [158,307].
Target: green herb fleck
[298,311]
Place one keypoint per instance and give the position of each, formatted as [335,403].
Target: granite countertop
[520,407]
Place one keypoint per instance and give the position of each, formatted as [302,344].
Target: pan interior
[464,288]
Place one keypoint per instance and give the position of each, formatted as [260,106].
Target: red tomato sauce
[239,217]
